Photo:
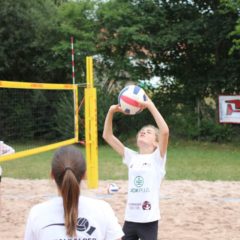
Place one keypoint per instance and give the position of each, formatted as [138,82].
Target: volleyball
[113,188]
[128,99]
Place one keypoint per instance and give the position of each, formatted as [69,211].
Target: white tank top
[145,174]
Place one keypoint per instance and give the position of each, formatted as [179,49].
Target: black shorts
[143,231]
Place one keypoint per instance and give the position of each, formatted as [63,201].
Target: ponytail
[70,194]
[68,169]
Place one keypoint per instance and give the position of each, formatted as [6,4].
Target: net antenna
[75,94]
[73,63]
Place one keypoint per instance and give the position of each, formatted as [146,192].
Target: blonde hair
[157,132]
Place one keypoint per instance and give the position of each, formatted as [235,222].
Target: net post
[91,137]
[76,113]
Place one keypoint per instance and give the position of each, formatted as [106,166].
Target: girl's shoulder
[128,150]
[90,201]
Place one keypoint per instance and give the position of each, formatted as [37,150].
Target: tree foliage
[192,46]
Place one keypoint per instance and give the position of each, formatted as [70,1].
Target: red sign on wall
[229,109]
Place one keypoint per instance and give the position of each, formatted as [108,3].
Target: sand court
[190,210]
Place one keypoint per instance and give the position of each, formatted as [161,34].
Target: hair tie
[67,168]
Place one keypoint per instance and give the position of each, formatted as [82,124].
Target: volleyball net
[38,117]
[29,117]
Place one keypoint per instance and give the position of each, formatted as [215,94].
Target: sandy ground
[190,210]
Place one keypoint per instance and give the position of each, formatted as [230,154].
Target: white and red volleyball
[129,98]
[113,188]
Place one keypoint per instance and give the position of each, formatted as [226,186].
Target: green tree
[77,20]
[25,29]
[186,43]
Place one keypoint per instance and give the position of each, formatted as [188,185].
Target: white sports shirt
[145,174]
[96,221]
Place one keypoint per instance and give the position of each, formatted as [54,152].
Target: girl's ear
[155,144]
[51,175]
[84,177]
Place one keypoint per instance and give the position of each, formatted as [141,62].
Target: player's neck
[146,150]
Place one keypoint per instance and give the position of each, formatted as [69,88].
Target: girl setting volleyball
[146,170]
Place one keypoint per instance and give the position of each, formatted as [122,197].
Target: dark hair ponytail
[68,169]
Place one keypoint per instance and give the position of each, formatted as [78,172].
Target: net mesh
[32,118]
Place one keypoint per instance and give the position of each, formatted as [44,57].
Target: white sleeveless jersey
[96,221]
[145,173]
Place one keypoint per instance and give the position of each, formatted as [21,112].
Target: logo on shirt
[134,206]
[82,226]
[146,164]
[146,205]
[138,181]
